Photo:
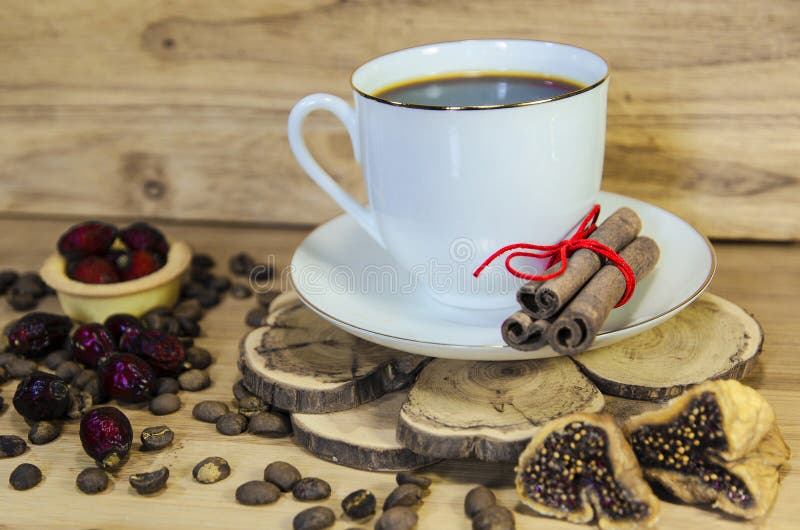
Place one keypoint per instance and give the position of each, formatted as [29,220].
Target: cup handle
[339,108]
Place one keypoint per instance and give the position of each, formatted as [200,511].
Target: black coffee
[477,90]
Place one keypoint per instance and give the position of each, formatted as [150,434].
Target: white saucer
[328,273]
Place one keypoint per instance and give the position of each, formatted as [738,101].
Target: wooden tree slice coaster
[490,410]
[622,408]
[711,339]
[362,437]
[301,363]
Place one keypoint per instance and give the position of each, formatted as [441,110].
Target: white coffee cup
[449,186]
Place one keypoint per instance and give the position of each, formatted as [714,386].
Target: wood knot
[145,171]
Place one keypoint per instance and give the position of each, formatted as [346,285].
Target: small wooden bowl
[87,302]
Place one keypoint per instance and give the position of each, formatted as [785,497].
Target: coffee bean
[241,263]
[208,298]
[251,405]
[194,380]
[403,495]
[191,290]
[265,299]
[25,476]
[21,301]
[493,517]
[186,342]
[257,492]
[256,317]
[11,445]
[211,470]
[311,489]
[231,424]
[477,499]
[188,327]
[95,389]
[68,370]
[240,391]
[30,283]
[167,385]
[80,402]
[398,518]
[283,475]
[202,261]
[241,291]
[202,276]
[164,323]
[160,310]
[54,358]
[155,438]
[316,518]
[20,368]
[407,477]
[189,309]
[4,375]
[83,377]
[359,504]
[270,424]
[1,397]
[6,357]
[219,283]
[198,358]
[43,432]
[7,278]
[165,404]
[151,482]
[92,480]
[210,411]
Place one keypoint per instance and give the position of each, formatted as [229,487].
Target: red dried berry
[162,350]
[127,377]
[141,263]
[86,239]
[38,333]
[106,435]
[93,269]
[142,236]
[124,330]
[42,396]
[90,343]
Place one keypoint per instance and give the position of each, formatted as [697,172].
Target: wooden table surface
[762,278]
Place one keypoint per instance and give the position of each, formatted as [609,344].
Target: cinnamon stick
[545,299]
[576,327]
[523,332]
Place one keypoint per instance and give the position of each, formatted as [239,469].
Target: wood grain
[56,503]
[178,109]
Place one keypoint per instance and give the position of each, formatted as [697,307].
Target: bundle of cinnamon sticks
[569,310]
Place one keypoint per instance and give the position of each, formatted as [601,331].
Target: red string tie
[560,253]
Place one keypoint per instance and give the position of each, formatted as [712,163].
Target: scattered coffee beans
[20,368]
[270,424]
[477,499]
[167,385]
[198,358]
[189,309]
[82,379]
[283,475]
[188,327]
[165,404]
[403,495]
[359,504]
[211,470]
[407,477]
[4,375]
[316,518]
[194,380]
[231,424]
[202,261]
[68,370]
[11,445]
[257,492]
[151,482]
[44,432]
[398,518]
[256,317]
[251,405]
[265,299]
[25,476]
[239,391]
[210,411]
[311,489]
[155,438]
[92,480]
[55,358]
[220,283]
[494,518]
[241,291]
[241,263]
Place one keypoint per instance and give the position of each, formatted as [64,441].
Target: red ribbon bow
[560,252]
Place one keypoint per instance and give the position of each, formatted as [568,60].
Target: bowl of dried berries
[100,270]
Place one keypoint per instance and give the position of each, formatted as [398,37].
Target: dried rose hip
[90,343]
[42,396]
[85,239]
[142,236]
[106,435]
[141,263]
[124,330]
[93,269]
[162,350]
[37,334]
[127,377]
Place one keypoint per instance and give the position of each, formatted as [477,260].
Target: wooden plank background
[178,109]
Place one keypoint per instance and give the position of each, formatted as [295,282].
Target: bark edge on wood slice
[362,437]
[711,339]
[490,410]
[301,363]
